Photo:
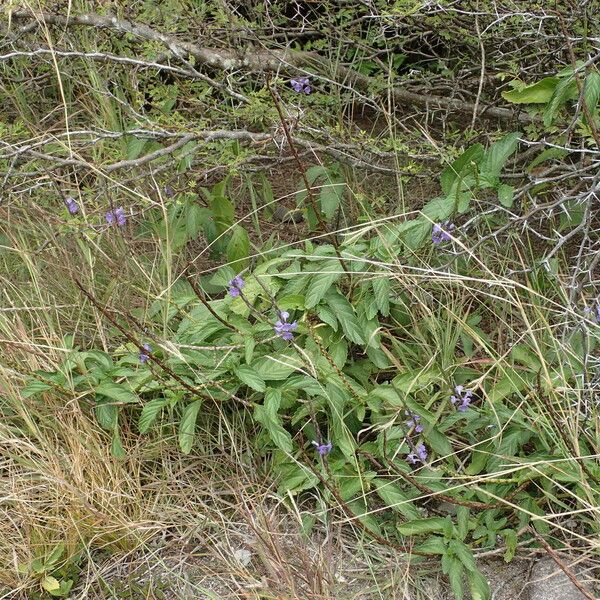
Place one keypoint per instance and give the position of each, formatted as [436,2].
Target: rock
[549,582]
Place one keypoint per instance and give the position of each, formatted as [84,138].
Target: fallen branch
[270,60]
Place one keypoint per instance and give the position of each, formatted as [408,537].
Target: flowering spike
[301,85]
[441,232]
[235,286]
[323,449]
[284,329]
[116,217]
[72,205]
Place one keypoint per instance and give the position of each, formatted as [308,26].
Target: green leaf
[276,367]
[428,525]
[134,147]
[566,90]
[344,313]
[330,197]
[414,233]
[267,415]
[107,415]
[433,545]
[591,92]
[34,387]
[223,213]
[480,589]
[381,289]
[497,154]
[510,541]
[536,93]
[187,426]
[337,399]
[50,584]
[149,413]
[116,448]
[320,283]
[547,154]
[117,392]
[451,174]
[455,575]
[439,209]
[238,248]
[506,194]
[250,377]
[396,499]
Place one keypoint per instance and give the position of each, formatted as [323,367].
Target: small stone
[549,582]
[243,556]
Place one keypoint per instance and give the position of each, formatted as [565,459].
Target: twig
[564,568]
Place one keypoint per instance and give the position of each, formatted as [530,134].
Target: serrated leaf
[536,93]
[506,195]
[337,400]
[414,233]
[149,413]
[330,197]
[187,426]
[50,584]
[320,283]
[480,589]
[344,313]
[106,414]
[497,154]
[451,174]
[116,447]
[427,525]
[238,248]
[439,209]
[566,90]
[591,92]
[381,289]
[223,213]
[395,498]
[117,392]
[34,387]
[276,367]
[268,416]
[251,378]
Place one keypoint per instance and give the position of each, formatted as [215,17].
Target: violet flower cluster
[284,329]
[462,398]
[413,421]
[441,232]
[235,286]
[145,353]
[72,205]
[301,85]
[593,312]
[323,449]
[116,216]
[419,454]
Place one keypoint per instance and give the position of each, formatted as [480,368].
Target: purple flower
[419,454]
[116,216]
[284,329]
[462,398]
[169,192]
[72,205]
[441,232]
[414,421]
[593,313]
[323,449]
[145,353]
[235,286]
[301,85]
